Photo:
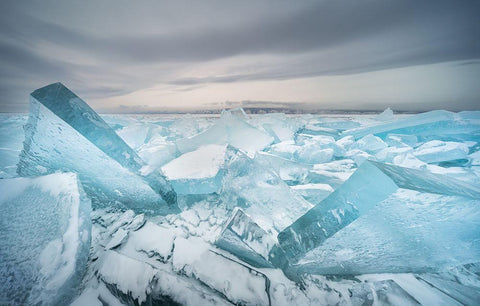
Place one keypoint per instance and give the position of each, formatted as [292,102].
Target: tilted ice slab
[366,187]
[268,206]
[407,232]
[426,181]
[137,134]
[313,193]
[197,172]
[45,232]
[64,133]
[288,170]
[416,120]
[372,183]
[433,125]
[229,129]
[437,151]
[278,125]
[401,140]
[270,202]
[246,240]
[370,144]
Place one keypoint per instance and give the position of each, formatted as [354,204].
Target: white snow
[193,257]
[154,240]
[205,162]
[118,238]
[324,187]
[129,275]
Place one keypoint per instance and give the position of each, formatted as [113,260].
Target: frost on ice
[272,209]
[45,232]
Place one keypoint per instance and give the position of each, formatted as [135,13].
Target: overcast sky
[154,55]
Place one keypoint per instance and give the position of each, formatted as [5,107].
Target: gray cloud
[123,46]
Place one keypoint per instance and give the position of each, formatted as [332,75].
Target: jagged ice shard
[64,133]
[426,125]
[268,200]
[268,205]
[241,181]
[366,187]
[230,129]
[45,232]
[248,241]
[371,183]
[409,231]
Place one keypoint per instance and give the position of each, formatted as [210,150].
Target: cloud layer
[114,49]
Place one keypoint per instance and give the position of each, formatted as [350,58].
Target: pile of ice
[237,209]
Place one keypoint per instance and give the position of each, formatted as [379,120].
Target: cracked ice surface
[45,232]
[389,206]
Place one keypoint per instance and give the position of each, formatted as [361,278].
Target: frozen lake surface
[246,209]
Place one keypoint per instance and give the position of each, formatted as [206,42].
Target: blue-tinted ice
[244,238]
[343,194]
[365,188]
[426,125]
[372,183]
[409,231]
[230,129]
[45,232]
[266,198]
[64,133]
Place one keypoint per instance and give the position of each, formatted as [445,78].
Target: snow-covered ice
[272,209]
[45,231]
[197,172]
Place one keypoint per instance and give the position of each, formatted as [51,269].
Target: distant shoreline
[251,111]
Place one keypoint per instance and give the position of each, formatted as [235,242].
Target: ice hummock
[231,129]
[391,126]
[367,186]
[264,196]
[409,231]
[217,248]
[426,126]
[386,115]
[64,134]
[436,151]
[370,184]
[45,232]
[370,144]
